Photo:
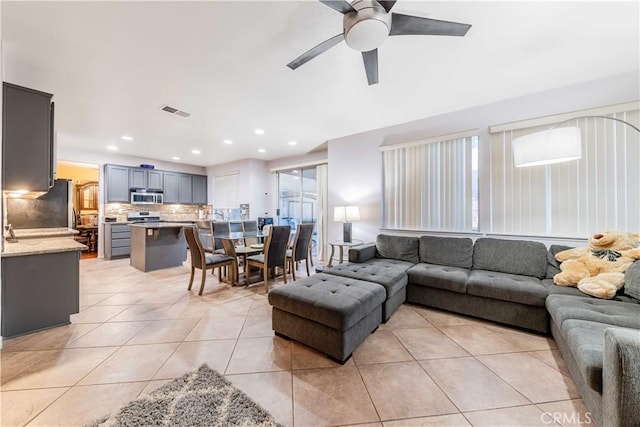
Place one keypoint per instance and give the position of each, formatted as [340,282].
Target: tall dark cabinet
[28,139]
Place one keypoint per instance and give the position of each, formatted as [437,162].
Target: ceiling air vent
[175,111]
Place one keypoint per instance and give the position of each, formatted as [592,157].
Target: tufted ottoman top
[392,274]
[337,302]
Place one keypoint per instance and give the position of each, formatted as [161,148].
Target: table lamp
[346,214]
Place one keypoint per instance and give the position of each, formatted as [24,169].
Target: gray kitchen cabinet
[199,183]
[117,240]
[27,139]
[154,180]
[186,189]
[171,187]
[117,183]
[178,187]
[39,291]
[137,178]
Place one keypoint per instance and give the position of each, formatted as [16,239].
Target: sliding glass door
[298,197]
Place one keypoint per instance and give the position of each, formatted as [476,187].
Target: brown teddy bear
[598,270]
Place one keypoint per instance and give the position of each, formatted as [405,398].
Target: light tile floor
[137,331]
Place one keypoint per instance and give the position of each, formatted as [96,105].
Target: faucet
[11,238]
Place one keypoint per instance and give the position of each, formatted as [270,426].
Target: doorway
[298,199]
[85,207]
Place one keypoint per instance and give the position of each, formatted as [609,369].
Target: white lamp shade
[352,213]
[547,147]
[346,213]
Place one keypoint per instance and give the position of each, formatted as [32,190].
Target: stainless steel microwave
[144,196]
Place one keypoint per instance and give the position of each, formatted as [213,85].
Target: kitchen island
[157,245]
[40,280]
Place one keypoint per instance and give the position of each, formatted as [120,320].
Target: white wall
[355,161]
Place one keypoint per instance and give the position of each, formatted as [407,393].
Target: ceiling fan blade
[315,51]
[341,6]
[415,25]
[371,65]
[387,4]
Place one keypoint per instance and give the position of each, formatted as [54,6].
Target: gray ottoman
[329,313]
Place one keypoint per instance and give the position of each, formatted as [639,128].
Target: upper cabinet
[171,187]
[27,139]
[199,184]
[178,188]
[117,183]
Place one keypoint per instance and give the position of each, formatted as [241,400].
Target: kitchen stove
[142,217]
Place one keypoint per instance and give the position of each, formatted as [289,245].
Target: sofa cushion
[390,274]
[439,276]
[507,287]
[613,313]
[554,289]
[337,302]
[586,342]
[455,252]
[402,248]
[632,281]
[510,256]
[553,265]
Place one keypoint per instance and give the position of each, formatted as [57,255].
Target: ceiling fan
[368,23]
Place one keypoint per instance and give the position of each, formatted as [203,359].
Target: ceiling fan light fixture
[367,35]
[368,27]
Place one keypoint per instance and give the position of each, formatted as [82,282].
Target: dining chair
[301,248]
[220,229]
[230,251]
[205,233]
[275,254]
[204,261]
[250,227]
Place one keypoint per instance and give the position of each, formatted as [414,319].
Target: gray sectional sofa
[506,281]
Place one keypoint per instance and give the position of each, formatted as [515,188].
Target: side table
[340,244]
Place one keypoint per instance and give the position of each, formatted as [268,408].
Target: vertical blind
[225,191]
[429,185]
[600,191]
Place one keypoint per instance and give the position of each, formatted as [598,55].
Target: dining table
[244,252]
[91,232]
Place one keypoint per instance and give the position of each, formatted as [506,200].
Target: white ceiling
[112,65]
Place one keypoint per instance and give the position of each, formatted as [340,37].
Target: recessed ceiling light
[175,158]
[195,151]
[112,148]
[262,150]
[259,131]
[228,141]
[293,143]
[127,138]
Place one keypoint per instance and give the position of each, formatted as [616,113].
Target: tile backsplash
[167,212]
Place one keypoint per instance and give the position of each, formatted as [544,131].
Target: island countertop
[159,225]
[41,246]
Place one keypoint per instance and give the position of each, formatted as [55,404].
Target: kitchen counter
[34,246]
[159,225]
[40,282]
[157,245]
[35,233]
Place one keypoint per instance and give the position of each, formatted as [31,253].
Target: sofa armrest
[621,377]
[362,253]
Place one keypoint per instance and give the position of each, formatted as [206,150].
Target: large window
[600,191]
[431,184]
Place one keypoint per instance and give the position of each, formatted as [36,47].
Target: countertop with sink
[37,241]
